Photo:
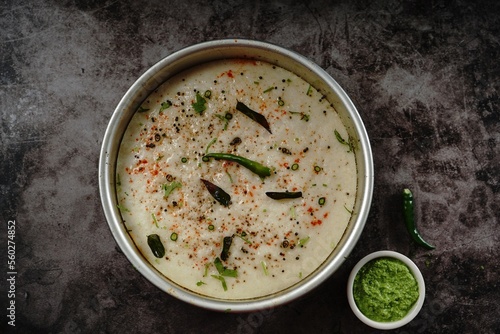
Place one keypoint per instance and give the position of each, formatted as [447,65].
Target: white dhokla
[225,237]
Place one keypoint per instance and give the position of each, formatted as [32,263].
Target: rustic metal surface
[424,76]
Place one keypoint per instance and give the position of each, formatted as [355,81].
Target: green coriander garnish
[210,144]
[184,160]
[223,271]
[122,208]
[200,283]
[303,116]
[168,188]
[165,105]
[225,118]
[243,236]
[154,219]
[264,267]
[199,105]
[309,90]
[304,241]
[142,109]
[269,89]
[341,140]
[230,177]
[207,265]
[222,280]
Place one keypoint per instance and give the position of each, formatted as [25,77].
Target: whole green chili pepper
[410,219]
[253,166]
[218,193]
[259,118]
[284,194]
[156,246]
[226,244]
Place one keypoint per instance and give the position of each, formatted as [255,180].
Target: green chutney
[385,289]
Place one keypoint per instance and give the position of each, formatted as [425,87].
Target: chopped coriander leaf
[303,241]
[184,160]
[341,140]
[218,265]
[230,177]
[118,181]
[200,283]
[223,270]
[122,208]
[242,236]
[205,273]
[199,105]
[210,144]
[224,119]
[154,219]
[264,267]
[303,116]
[309,90]
[142,109]
[222,280]
[165,105]
[168,188]
[269,89]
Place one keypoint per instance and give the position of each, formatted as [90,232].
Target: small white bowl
[413,311]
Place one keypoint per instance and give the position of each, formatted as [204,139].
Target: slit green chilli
[409,217]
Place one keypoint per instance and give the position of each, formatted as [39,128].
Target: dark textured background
[424,75]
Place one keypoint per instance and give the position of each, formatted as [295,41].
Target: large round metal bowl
[247,49]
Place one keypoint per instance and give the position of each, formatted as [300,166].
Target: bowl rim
[413,311]
[136,93]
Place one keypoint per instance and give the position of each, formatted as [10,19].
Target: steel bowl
[246,49]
